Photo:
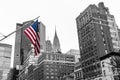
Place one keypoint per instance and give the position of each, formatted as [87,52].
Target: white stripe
[32,33]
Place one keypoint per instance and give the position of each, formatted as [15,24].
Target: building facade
[53,66]
[22,44]
[74,52]
[78,75]
[110,64]
[98,36]
[42,36]
[5,60]
[48,46]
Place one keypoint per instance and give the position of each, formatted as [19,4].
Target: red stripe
[38,41]
[37,45]
[35,51]
[38,35]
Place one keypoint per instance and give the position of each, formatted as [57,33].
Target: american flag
[32,33]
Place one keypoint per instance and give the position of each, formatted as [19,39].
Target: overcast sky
[59,13]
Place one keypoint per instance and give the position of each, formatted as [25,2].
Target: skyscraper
[56,43]
[23,45]
[98,36]
[48,46]
[5,59]
[42,36]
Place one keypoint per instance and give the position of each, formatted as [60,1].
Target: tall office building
[23,45]
[42,36]
[56,43]
[98,36]
[5,59]
[48,46]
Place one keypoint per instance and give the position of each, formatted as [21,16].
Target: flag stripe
[37,35]
[31,32]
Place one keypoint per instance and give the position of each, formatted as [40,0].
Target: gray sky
[59,13]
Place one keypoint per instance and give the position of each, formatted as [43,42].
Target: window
[101,28]
[100,79]
[103,64]
[47,65]
[103,39]
[51,69]
[104,73]
[109,69]
[41,46]
[52,77]
[47,77]
[52,73]
[100,22]
[55,69]
[94,39]
[106,51]
[47,69]
[55,73]
[102,33]
[47,56]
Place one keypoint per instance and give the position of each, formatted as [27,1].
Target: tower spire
[56,43]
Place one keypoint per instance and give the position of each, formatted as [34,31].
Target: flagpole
[16,30]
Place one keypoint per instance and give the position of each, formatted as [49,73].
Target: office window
[52,77]
[55,69]
[101,28]
[47,77]
[47,65]
[52,73]
[106,51]
[104,73]
[100,79]
[100,22]
[103,64]
[47,57]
